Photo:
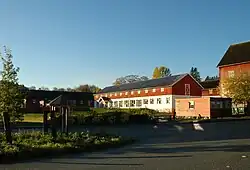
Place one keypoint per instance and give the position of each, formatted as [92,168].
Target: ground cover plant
[27,145]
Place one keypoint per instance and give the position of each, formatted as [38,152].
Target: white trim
[228,65]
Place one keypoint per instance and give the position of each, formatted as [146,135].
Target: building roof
[235,54]
[165,81]
[210,84]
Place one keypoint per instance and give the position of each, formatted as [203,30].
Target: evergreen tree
[195,74]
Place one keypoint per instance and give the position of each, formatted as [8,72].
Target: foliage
[113,116]
[87,88]
[156,73]
[160,72]
[35,144]
[129,79]
[164,71]
[195,74]
[238,88]
[11,96]
[211,78]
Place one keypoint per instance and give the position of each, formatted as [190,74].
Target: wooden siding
[179,87]
[210,92]
[237,68]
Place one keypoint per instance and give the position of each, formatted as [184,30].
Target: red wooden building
[235,61]
[158,94]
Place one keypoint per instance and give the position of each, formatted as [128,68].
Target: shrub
[36,144]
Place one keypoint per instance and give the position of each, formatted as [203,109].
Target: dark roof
[210,84]
[165,81]
[236,53]
[50,95]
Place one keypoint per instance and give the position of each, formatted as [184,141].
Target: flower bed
[31,145]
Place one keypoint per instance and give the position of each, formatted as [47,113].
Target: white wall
[161,107]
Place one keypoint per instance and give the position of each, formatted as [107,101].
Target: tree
[61,89]
[82,88]
[55,89]
[195,74]
[11,97]
[156,73]
[164,71]
[43,88]
[211,78]
[32,88]
[237,88]
[129,79]
[94,89]
[160,72]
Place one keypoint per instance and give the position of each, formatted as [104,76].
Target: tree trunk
[7,128]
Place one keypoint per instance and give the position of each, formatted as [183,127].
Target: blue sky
[63,43]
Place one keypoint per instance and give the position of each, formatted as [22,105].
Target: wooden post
[45,122]
[53,124]
[63,118]
[66,120]
[7,128]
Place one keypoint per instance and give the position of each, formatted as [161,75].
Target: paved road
[220,146]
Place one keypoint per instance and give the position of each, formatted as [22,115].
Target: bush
[102,116]
[36,144]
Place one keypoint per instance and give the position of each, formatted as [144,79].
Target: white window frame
[154,90]
[231,73]
[132,92]
[120,94]
[187,86]
[167,100]
[126,93]
[146,91]
[115,94]
[139,92]
[162,89]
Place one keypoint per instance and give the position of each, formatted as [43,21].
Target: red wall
[167,90]
[215,92]
[179,87]
[237,68]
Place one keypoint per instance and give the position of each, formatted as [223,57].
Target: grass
[33,118]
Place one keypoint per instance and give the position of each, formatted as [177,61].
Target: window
[111,104]
[151,101]
[138,103]
[106,95]
[154,90]
[187,89]
[120,94]
[145,101]
[132,103]
[191,104]
[132,92]
[126,103]
[81,101]
[116,104]
[139,92]
[71,102]
[115,94]
[230,74]
[33,101]
[110,94]
[126,93]
[162,89]
[158,100]
[210,91]
[167,100]
[146,91]
[120,103]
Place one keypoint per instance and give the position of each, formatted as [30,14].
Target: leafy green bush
[35,144]
[104,116]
